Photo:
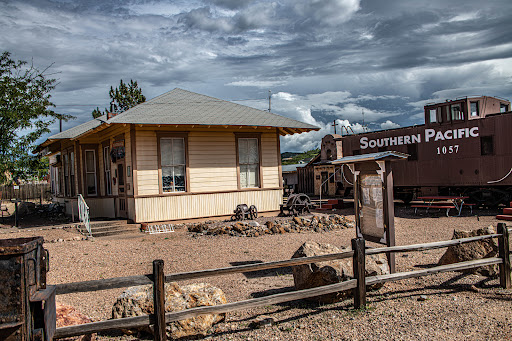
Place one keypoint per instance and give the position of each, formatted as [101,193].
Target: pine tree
[122,98]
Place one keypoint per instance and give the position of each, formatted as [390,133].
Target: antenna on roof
[269,97]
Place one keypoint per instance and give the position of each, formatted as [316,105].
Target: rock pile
[138,300]
[331,272]
[486,248]
[69,316]
[295,225]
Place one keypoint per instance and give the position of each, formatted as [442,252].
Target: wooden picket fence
[358,284]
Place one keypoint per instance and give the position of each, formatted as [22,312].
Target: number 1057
[448,149]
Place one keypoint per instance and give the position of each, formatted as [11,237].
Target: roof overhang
[381,156]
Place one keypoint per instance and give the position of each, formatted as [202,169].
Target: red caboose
[463,148]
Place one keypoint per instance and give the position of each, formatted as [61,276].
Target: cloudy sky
[323,60]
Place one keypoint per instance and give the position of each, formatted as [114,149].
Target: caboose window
[456,112]
[433,115]
[474,109]
[487,145]
[503,107]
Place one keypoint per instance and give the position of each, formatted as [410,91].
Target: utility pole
[334,124]
[269,98]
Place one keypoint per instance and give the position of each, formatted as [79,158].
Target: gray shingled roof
[79,129]
[292,168]
[184,107]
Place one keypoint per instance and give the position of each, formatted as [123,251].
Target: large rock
[138,300]
[475,250]
[330,272]
[69,316]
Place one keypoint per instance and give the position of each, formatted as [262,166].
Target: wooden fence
[26,192]
[358,284]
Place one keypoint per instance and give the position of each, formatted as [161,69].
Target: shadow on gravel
[263,273]
[272,292]
[449,286]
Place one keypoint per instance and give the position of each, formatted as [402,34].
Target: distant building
[290,177]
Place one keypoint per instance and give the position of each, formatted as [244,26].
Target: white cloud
[389,125]
[327,12]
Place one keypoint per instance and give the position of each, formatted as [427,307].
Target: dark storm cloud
[231,4]
[336,58]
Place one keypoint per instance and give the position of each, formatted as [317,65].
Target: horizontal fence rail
[121,282]
[140,321]
[429,246]
[358,284]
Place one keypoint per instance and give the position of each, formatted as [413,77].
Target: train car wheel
[490,197]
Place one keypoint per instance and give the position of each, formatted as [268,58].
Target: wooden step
[110,228]
[336,203]
[108,223]
[504,217]
[115,232]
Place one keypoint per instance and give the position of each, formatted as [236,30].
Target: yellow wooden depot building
[180,155]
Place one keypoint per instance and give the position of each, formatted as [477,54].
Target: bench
[470,206]
[440,206]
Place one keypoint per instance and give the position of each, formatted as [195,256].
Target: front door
[121,189]
[325,183]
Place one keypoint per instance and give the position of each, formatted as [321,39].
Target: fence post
[359,265]
[504,254]
[159,300]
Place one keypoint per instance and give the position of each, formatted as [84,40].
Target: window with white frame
[433,115]
[72,173]
[107,167]
[473,106]
[249,162]
[90,172]
[173,165]
[66,175]
[457,114]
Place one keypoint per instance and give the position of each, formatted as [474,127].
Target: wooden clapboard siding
[130,202]
[101,207]
[147,162]
[269,160]
[212,161]
[203,205]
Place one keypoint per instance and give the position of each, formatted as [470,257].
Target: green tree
[122,98]
[25,116]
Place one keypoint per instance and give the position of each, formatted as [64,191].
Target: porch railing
[323,183]
[83,213]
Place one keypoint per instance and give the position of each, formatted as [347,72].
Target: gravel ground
[457,307]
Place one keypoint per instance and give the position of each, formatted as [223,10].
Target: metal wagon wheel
[253,212]
[239,214]
[302,203]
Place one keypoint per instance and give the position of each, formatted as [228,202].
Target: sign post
[373,197]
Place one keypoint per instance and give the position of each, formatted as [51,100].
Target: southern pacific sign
[428,136]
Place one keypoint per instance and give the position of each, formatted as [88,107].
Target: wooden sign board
[372,207]
[373,197]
